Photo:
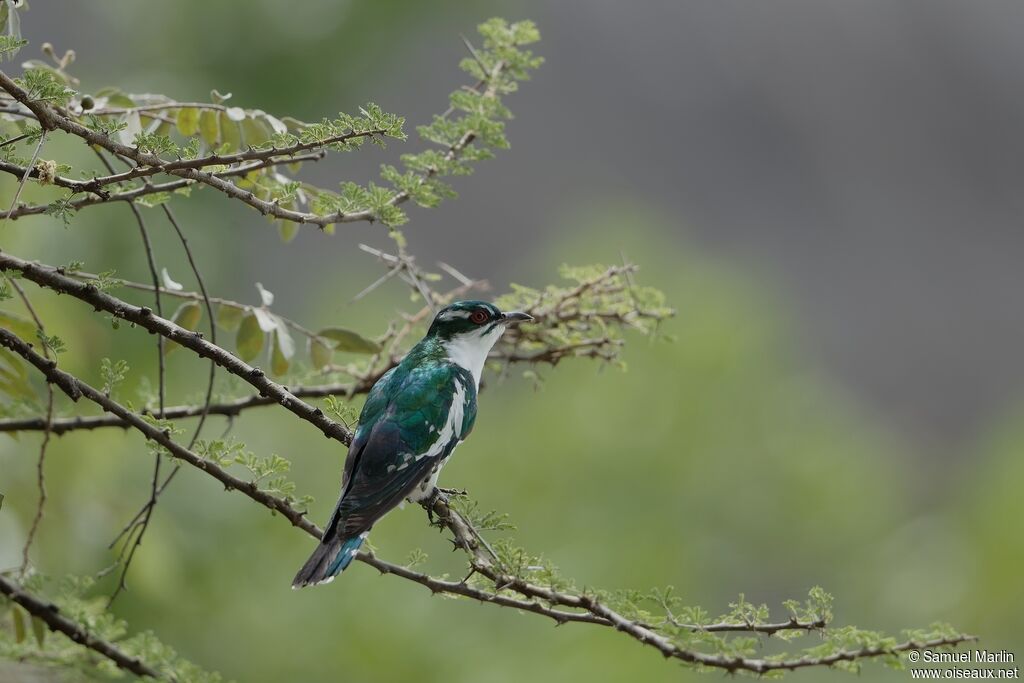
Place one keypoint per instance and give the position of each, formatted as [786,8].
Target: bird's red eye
[478,317]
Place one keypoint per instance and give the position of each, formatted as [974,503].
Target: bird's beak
[514,317]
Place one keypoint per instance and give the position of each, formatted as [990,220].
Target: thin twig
[555,604]
[102,196]
[142,517]
[37,518]
[130,543]
[28,172]
[51,278]
[196,296]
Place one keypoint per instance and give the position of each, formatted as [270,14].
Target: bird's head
[472,322]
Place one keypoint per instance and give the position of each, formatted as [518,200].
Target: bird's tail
[328,560]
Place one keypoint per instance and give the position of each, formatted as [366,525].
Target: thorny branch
[52,278]
[103,197]
[534,346]
[565,311]
[509,590]
[148,164]
[50,615]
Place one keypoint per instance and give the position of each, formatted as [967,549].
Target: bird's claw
[437,495]
[440,495]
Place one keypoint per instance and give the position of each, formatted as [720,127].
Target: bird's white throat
[470,350]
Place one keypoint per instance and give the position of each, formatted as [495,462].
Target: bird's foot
[438,495]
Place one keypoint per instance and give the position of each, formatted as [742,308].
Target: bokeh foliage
[812,493]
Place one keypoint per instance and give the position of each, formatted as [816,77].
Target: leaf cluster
[27,638]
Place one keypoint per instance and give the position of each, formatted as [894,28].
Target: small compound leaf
[188,316]
[209,127]
[347,340]
[229,317]
[320,353]
[250,338]
[188,121]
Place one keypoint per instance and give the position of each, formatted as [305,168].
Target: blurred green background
[840,406]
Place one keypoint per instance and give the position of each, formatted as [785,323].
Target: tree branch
[61,426]
[50,614]
[103,197]
[52,278]
[530,597]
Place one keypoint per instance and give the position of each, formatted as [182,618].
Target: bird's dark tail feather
[328,560]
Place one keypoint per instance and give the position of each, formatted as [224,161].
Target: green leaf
[320,354]
[209,128]
[14,377]
[188,121]
[229,317]
[154,199]
[187,316]
[19,624]
[287,230]
[250,339]
[284,337]
[278,362]
[19,325]
[255,131]
[230,134]
[115,98]
[347,340]
[164,128]
[39,629]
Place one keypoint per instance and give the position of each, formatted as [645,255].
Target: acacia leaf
[320,354]
[347,340]
[229,317]
[19,325]
[188,121]
[188,316]
[250,338]
[209,127]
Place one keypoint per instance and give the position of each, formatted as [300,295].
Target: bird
[414,417]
